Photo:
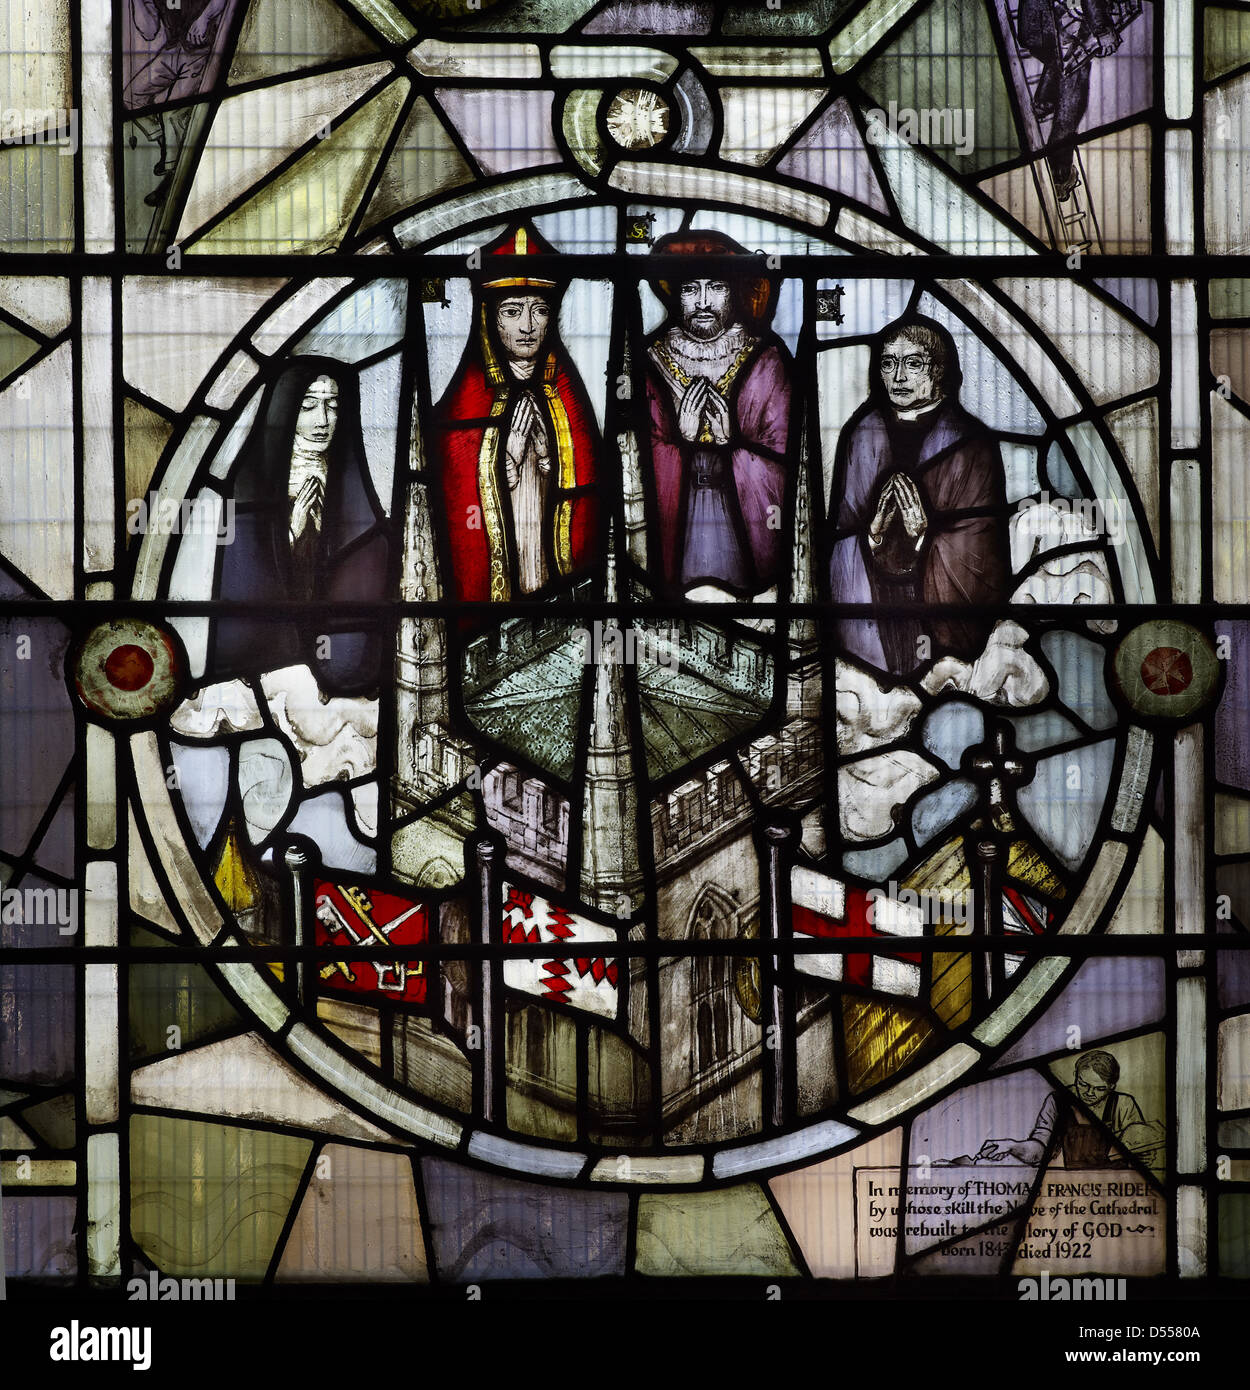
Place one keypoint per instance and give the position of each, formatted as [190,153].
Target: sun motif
[638,119]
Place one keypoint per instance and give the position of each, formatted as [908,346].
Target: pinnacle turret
[611,878]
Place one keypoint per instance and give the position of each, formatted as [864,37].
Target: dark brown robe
[964,557]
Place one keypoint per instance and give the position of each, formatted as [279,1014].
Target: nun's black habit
[350,562]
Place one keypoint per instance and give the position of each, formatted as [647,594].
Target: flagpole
[777,836]
[297,859]
[987,972]
[487,855]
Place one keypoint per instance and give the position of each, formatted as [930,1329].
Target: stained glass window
[625,649]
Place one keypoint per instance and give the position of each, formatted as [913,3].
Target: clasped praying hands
[899,498]
[308,506]
[703,408]
[527,440]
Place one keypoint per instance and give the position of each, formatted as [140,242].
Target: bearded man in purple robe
[919,509]
[718,394]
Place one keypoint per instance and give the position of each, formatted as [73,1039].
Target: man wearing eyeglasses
[1087,1132]
[919,509]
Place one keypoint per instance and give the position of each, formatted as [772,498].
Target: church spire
[611,878]
[421,660]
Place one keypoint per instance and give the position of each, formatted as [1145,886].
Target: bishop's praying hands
[515,442]
[527,466]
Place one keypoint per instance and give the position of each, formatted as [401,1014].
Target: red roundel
[128,667]
[1167,671]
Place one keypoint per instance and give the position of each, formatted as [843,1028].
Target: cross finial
[999,769]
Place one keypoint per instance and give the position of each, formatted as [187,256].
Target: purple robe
[713,502]
[963,558]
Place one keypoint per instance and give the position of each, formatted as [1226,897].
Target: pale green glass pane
[15,348]
[541,1096]
[210,1200]
[425,162]
[1234,1226]
[53,1121]
[180,995]
[310,206]
[1230,541]
[36,198]
[34,64]
[1141,905]
[13,1138]
[948,61]
[1227,41]
[429,851]
[386,18]
[1230,299]
[254,132]
[733,1231]
[278,37]
[1232,824]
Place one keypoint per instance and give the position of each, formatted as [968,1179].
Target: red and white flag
[1022,916]
[822,907]
[587,979]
